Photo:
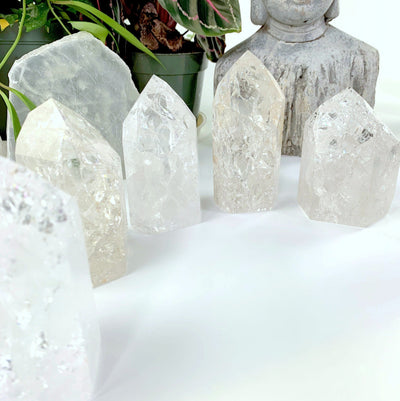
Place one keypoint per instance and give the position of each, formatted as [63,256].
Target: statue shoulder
[343,41]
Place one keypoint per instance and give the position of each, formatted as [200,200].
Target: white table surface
[260,307]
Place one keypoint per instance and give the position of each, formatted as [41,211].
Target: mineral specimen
[61,146]
[249,109]
[83,74]
[3,151]
[160,148]
[49,335]
[350,163]
[311,60]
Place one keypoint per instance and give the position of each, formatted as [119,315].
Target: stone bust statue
[311,60]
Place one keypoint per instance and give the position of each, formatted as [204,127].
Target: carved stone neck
[297,34]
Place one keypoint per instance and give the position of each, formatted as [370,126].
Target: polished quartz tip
[160,148]
[350,163]
[249,110]
[64,148]
[49,333]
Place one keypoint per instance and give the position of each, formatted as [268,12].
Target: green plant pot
[184,72]
[29,41]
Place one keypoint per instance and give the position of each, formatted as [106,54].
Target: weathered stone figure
[311,60]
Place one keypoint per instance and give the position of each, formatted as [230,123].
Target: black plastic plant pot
[184,72]
[29,41]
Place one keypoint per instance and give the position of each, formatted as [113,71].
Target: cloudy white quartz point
[160,150]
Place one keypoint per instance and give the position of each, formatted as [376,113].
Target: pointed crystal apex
[350,163]
[80,72]
[64,148]
[249,110]
[49,336]
[160,149]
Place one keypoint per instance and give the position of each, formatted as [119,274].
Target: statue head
[293,12]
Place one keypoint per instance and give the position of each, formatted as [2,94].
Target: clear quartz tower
[350,163]
[249,109]
[49,334]
[160,148]
[82,73]
[64,148]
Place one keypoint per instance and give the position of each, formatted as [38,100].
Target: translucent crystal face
[100,87]
[297,12]
[247,136]
[49,336]
[160,150]
[64,148]
[350,163]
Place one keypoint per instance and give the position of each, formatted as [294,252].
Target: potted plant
[27,24]
[183,58]
[37,31]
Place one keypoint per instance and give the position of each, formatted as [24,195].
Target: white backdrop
[268,306]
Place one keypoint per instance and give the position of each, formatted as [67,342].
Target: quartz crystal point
[247,137]
[350,163]
[49,335]
[80,72]
[160,148]
[61,146]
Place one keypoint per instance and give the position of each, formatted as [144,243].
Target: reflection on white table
[257,307]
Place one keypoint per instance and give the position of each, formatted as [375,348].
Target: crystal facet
[49,335]
[3,151]
[80,72]
[61,146]
[160,148]
[248,122]
[350,163]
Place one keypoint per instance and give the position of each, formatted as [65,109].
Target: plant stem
[4,86]
[57,17]
[14,45]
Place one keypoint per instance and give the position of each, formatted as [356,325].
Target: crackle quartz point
[249,110]
[160,148]
[49,334]
[82,73]
[350,163]
[61,146]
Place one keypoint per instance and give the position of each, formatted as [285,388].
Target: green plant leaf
[36,16]
[28,103]
[98,31]
[13,114]
[132,39]
[205,17]
[10,18]
[96,21]
[213,46]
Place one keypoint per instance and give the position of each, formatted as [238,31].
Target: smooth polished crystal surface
[160,148]
[3,151]
[49,334]
[350,163]
[64,148]
[249,110]
[82,73]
